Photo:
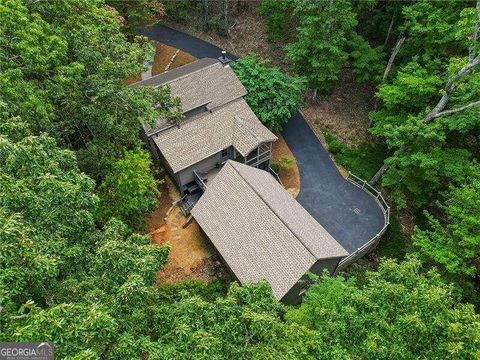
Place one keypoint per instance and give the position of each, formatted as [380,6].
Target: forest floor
[247,35]
[192,256]
[343,112]
[290,177]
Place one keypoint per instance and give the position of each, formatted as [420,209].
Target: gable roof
[260,230]
[205,82]
[218,117]
[234,124]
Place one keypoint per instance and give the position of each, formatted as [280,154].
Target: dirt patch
[167,58]
[344,112]
[192,255]
[290,177]
[133,79]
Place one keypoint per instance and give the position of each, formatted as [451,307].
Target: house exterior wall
[294,295]
[186,175]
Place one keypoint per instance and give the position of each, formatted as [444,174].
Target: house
[219,157]
[218,124]
[261,232]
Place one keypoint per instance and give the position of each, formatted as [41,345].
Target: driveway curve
[350,214]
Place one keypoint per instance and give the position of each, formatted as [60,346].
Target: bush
[273,95]
[287,162]
[363,160]
[275,167]
[130,190]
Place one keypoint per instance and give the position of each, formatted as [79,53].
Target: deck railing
[275,175]
[199,181]
[373,242]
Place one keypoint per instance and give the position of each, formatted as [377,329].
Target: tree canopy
[273,95]
[396,312]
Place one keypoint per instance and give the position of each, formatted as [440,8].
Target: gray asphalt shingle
[257,227]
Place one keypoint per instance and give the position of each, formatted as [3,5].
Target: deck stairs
[186,206]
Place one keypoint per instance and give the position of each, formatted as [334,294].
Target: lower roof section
[260,230]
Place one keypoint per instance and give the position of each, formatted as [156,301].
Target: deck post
[258,155]
[270,155]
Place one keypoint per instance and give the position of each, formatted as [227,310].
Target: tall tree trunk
[225,14]
[205,15]
[378,174]
[315,95]
[450,88]
[451,85]
[389,31]
[395,51]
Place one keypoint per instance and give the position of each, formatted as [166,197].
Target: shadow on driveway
[350,214]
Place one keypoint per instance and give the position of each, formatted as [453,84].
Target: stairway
[186,206]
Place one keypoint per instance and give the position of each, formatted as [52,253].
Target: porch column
[270,156]
[258,156]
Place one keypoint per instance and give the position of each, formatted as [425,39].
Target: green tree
[319,50]
[273,96]
[137,13]
[47,209]
[452,238]
[279,18]
[244,324]
[397,312]
[130,190]
[431,102]
[63,67]
[367,62]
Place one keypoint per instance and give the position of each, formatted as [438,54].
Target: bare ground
[192,256]
[290,177]
[344,112]
[167,57]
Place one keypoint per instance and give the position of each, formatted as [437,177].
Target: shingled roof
[205,82]
[233,124]
[260,230]
[224,119]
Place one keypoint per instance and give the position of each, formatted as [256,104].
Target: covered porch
[259,157]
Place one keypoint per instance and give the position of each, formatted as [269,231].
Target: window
[224,153]
[303,289]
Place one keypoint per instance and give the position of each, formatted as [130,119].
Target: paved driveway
[352,216]
[348,213]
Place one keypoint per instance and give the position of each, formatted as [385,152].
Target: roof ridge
[186,75]
[209,62]
[273,211]
[238,120]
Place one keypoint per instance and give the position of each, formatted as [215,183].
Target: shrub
[287,162]
[273,95]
